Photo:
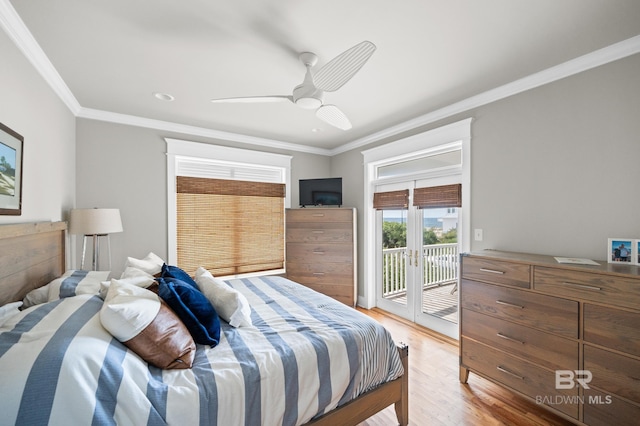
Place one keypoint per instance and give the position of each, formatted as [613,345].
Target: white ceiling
[113,55]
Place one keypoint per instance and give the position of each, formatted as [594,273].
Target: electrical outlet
[477,234]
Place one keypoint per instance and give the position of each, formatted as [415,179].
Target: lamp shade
[95,221]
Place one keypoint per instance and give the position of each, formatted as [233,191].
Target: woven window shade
[391,200]
[229,227]
[438,196]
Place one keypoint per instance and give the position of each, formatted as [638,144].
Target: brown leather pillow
[166,342]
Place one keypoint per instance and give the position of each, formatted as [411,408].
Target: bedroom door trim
[446,138]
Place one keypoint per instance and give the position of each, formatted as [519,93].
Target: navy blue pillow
[193,308]
[176,272]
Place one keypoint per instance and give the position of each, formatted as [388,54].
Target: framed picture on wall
[622,250]
[10,171]
[636,256]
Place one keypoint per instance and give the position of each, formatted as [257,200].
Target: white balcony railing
[439,263]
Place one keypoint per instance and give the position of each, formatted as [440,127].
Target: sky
[9,154]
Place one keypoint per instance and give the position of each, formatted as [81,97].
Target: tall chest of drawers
[321,251]
[566,336]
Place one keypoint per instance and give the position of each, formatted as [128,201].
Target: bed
[306,359]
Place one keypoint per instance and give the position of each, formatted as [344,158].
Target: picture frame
[622,250]
[636,256]
[11,145]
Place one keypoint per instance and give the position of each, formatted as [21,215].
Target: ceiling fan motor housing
[307,96]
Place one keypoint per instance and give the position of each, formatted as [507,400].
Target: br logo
[568,379]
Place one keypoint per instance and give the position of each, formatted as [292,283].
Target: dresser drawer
[523,376]
[496,271]
[614,373]
[321,252]
[320,215]
[344,294]
[613,328]
[548,350]
[547,313]
[601,409]
[321,273]
[321,269]
[305,232]
[610,289]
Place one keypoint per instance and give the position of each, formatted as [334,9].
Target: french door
[417,259]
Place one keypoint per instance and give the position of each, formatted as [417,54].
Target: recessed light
[316,130]
[163,96]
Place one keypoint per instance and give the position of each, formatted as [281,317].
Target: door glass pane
[394,249]
[440,262]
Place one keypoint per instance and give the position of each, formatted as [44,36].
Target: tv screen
[321,192]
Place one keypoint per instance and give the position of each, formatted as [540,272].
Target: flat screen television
[321,192]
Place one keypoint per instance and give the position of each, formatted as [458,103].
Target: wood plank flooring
[436,397]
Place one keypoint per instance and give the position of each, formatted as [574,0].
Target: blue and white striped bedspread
[304,355]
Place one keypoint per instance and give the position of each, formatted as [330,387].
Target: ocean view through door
[418,261]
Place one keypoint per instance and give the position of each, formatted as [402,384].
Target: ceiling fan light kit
[331,77]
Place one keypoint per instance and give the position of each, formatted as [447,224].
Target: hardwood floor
[436,396]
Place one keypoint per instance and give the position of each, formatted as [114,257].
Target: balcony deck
[437,300]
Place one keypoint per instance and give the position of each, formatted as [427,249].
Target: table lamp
[95,223]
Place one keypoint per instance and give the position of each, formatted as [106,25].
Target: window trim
[178,149]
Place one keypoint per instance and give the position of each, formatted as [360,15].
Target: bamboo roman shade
[438,196]
[229,226]
[391,200]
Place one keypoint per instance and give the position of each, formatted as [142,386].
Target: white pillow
[132,276]
[151,264]
[9,310]
[75,282]
[128,309]
[231,305]
[37,296]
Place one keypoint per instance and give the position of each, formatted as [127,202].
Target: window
[226,208]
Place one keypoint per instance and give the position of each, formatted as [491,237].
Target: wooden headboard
[31,255]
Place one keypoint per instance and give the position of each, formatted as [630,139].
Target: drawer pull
[584,286]
[318,215]
[513,305]
[493,271]
[320,274]
[504,336]
[317,232]
[318,252]
[511,373]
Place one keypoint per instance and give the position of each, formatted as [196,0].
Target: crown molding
[132,120]
[582,63]
[20,35]
[15,28]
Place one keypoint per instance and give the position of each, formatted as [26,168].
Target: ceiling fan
[329,78]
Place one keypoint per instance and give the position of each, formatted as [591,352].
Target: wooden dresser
[564,335]
[321,250]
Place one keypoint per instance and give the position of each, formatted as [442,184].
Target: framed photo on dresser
[623,250]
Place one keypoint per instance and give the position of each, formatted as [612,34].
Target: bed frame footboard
[366,405]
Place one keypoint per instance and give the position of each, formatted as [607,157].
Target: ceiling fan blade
[331,114]
[253,99]
[340,69]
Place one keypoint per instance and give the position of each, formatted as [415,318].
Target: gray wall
[553,169]
[30,107]
[125,167]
